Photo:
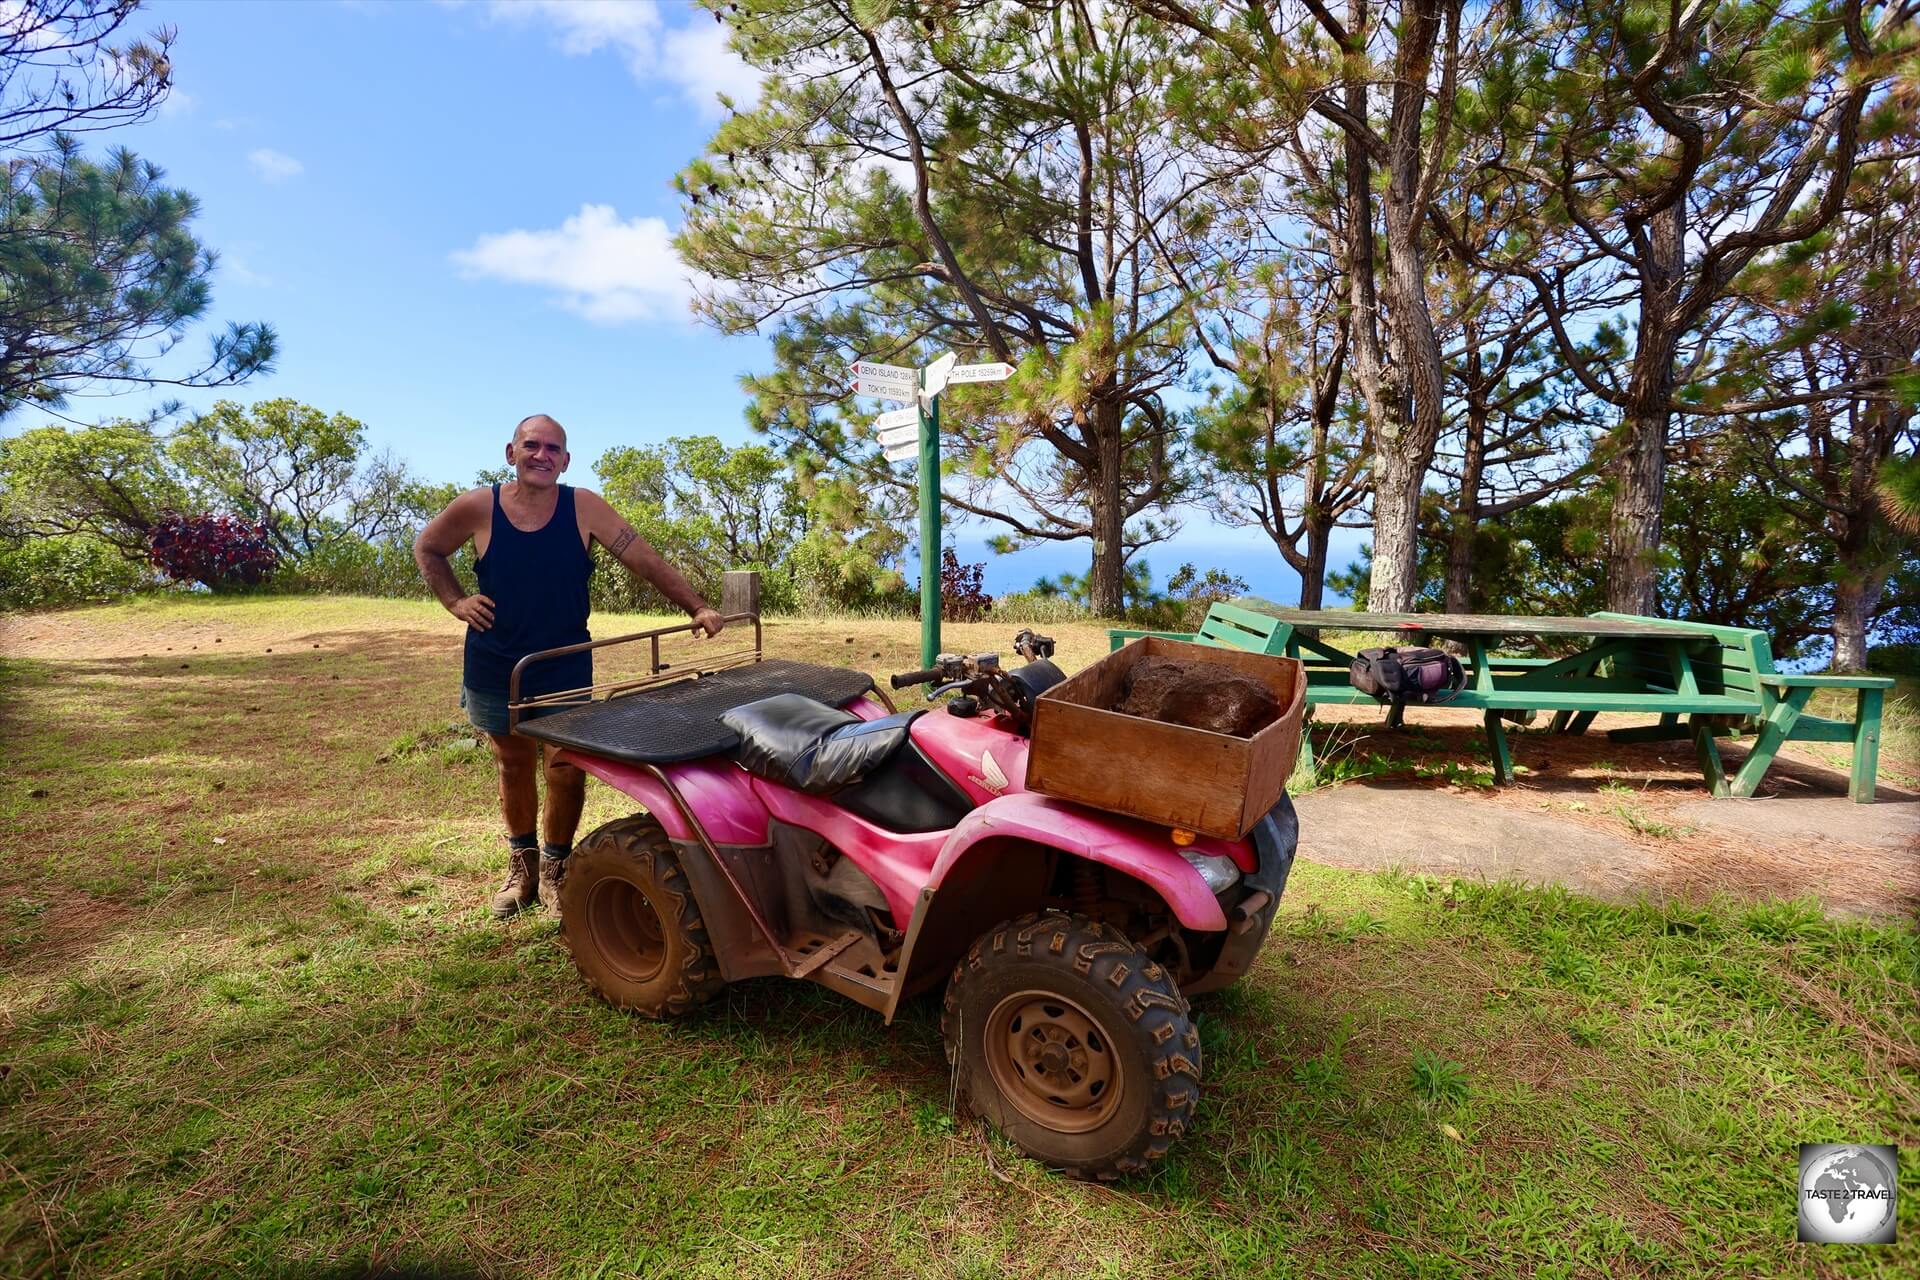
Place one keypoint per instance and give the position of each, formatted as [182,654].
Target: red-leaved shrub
[961,599]
[222,552]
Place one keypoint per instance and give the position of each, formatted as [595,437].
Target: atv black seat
[870,767]
[810,746]
[681,720]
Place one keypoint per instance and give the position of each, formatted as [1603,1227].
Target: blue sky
[458,214]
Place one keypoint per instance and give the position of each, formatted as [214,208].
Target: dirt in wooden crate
[1200,695]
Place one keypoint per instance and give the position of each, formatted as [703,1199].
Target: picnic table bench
[1721,679]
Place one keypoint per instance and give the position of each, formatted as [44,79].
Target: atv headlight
[1216,869]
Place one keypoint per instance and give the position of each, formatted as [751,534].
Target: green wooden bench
[1721,679]
[1226,626]
[1739,663]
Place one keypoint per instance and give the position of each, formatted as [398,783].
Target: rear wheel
[632,924]
[1074,1043]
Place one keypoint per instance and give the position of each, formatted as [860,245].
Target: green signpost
[913,434]
[929,407]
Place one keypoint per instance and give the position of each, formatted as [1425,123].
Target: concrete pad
[1446,834]
[1891,822]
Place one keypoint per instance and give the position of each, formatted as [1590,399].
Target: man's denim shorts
[487,712]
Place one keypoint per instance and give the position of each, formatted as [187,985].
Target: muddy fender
[973,864]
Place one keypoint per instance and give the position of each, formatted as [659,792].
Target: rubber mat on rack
[681,721]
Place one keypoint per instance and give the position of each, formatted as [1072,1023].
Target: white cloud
[274,166]
[695,56]
[700,62]
[178,102]
[586,26]
[606,269]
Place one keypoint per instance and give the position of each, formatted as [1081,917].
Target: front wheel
[1074,1043]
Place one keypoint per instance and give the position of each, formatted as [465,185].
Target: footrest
[859,972]
[822,950]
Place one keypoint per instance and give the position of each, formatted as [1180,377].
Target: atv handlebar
[905,678]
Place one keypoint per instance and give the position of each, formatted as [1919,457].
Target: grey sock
[526,841]
[558,852]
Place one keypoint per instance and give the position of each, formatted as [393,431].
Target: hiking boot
[552,872]
[522,889]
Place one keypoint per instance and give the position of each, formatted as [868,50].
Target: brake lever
[937,690]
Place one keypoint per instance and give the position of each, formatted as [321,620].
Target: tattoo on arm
[621,543]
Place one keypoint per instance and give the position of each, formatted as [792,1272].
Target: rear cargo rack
[658,672]
[671,714]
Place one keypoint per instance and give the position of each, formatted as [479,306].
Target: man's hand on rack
[709,621]
[475,610]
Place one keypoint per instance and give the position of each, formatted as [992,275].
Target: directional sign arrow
[907,417]
[904,452]
[901,391]
[894,437]
[998,371]
[937,374]
[884,372]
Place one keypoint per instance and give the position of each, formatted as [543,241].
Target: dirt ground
[1616,820]
[1610,819]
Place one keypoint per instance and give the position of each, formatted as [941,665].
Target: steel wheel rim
[1052,1061]
[625,930]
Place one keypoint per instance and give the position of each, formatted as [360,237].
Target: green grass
[256,1022]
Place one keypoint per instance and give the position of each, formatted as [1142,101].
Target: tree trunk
[1633,530]
[1640,469]
[1466,511]
[1396,528]
[1405,434]
[1405,449]
[1313,578]
[1854,597]
[1459,596]
[1106,578]
[1857,579]
[1858,584]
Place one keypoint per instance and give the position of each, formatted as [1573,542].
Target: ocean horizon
[1245,553]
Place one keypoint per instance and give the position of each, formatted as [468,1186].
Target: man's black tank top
[538,584]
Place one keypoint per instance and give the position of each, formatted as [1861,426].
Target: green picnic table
[1720,679]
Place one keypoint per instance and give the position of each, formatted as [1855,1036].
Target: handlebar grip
[906,678]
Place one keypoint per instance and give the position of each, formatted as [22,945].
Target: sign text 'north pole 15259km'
[997,371]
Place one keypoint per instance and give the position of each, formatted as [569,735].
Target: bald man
[532,541]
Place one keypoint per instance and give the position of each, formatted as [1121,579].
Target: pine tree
[1679,144]
[1001,180]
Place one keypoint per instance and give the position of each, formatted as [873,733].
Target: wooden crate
[1165,773]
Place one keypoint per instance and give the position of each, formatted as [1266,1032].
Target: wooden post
[1775,730]
[1866,745]
[1711,767]
[1497,748]
[740,591]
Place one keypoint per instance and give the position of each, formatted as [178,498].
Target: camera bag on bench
[1400,676]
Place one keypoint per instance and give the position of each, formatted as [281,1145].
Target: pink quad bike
[795,824]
